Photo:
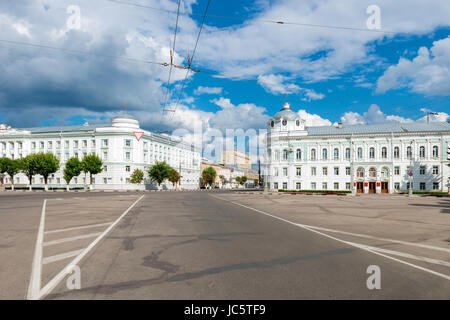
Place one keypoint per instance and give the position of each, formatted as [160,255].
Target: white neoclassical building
[381,158]
[116,143]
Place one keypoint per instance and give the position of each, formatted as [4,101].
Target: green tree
[72,169]
[12,168]
[91,164]
[46,164]
[208,176]
[137,176]
[238,180]
[174,177]
[159,172]
[28,166]
[243,180]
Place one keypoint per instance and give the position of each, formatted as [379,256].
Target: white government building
[117,146]
[362,158]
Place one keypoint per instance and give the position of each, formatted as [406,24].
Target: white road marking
[61,256]
[60,276]
[376,238]
[35,281]
[363,247]
[80,227]
[80,237]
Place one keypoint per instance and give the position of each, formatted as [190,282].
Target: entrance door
[372,187]
[360,187]
[384,187]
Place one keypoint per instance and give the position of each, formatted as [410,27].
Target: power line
[279,22]
[30,44]
[190,59]
[172,52]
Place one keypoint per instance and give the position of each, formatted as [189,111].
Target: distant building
[116,144]
[381,158]
[235,158]
[223,173]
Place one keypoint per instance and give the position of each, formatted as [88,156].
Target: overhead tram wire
[191,58]
[172,53]
[272,21]
[73,51]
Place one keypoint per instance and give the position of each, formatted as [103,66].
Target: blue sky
[328,74]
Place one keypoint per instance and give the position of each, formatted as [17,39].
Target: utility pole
[410,173]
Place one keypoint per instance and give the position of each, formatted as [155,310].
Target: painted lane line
[376,238]
[60,276]
[406,255]
[61,256]
[340,240]
[63,240]
[36,268]
[77,228]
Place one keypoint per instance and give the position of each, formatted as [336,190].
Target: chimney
[339,125]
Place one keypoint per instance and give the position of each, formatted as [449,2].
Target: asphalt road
[196,245]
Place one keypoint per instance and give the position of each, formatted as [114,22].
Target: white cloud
[428,73]
[313,120]
[208,90]
[372,116]
[312,95]
[277,84]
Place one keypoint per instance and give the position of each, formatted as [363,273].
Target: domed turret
[285,120]
[125,121]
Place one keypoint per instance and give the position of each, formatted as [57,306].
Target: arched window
[347,153]
[384,152]
[297,122]
[408,153]
[422,152]
[313,154]
[272,123]
[360,172]
[324,154]
[336,153]
[372,153]
[435,151]
[298,154]
[284,122]
[360,153]
[372,172]
[396,152]
[285,154]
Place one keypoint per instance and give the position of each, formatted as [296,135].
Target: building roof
[286,113]
[57,129]
[379,128]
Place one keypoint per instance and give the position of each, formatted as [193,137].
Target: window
[298,154]
[422,186]
[275,185]
[336,171]
[336,186]
[84,143]
[313,154]
[397,171]
[127,168]
[33,145]
[298,185]
[397,186]
[66,143]
[297,122]
[93,143]
[313,186]
[41,144]
[50,145]
[105,155]
[299,171]
[275,172]
[384,152]
[435,185]
[324,186]
[385,173]
[127,180]
[285,185]
[435,170]
[75,143]
[347,153]
[75,154]
[272,124]
[105,181]
[396,152]
[408,153]
[347,185]
[325,171]
[336,153]
[285,172]
[360,173]
[422,152]
[347,171]
[324,154]
[127,155]
[372,153]
[284,122]
[372,172]
[360,153]
[58,144]
[104,143]
[422,170]
[127,143]
[435,151]
[105,168]
[285,154]
[313,171]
